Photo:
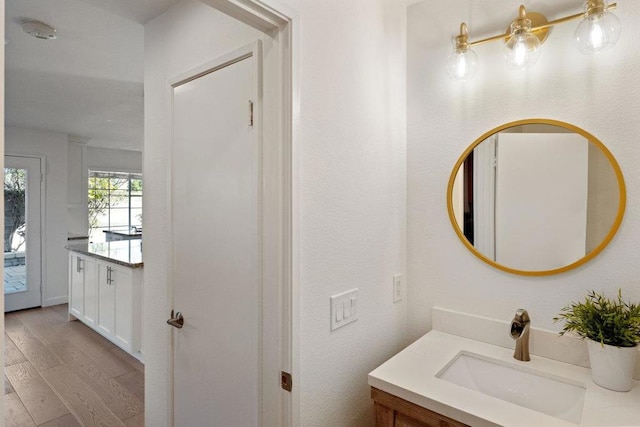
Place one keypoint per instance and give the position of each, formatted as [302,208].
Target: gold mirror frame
[616,225]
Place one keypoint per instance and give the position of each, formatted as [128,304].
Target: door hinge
[250,113]
[286,382]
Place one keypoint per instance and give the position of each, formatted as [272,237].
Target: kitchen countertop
[411,375]
[124,233]
[127,253]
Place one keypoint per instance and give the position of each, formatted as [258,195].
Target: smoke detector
[38,29]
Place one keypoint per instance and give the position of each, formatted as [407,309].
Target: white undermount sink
[518,384]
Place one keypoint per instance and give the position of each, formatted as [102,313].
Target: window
[115,203]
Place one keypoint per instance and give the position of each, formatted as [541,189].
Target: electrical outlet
[344,308]
[397,287]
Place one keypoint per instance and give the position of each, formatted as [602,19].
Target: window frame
[111,174]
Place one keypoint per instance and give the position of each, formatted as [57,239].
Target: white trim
[43,219]
[254,13]
[236,55]
[112,169]
[290,102]
[484,197]
[55,301]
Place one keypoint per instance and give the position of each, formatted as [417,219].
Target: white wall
[351,176]
[53,146]
[114,160]
[444,117]
[352,197]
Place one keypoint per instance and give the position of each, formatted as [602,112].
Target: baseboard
[55,301]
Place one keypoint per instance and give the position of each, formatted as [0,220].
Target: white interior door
[22,231]
[216,248]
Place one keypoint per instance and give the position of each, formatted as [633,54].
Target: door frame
[43,215]
[278,22]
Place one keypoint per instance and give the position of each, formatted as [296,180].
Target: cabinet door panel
[121,280]
[90,291]
[406,414]
[385,417]
[106,301]
[404,421]
[76,285]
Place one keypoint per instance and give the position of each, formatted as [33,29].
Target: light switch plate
[397,287]
[344,308]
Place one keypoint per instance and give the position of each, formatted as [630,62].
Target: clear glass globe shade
[462,65]
[598,32]
[522,50]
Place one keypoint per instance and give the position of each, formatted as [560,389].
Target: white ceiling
[89,81]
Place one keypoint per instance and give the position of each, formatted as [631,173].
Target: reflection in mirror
[536,197]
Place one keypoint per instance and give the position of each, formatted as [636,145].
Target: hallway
[60,373]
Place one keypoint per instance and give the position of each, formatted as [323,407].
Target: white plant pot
[611,366]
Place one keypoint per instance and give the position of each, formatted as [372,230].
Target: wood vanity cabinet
[392,411]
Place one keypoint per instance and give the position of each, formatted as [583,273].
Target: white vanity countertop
[411,375]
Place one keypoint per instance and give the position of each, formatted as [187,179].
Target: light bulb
[599,30]
[523,48]
[462,65]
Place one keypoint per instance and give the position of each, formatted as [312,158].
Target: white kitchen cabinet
[82,288]
[118,318]
[76,285]
[107,297]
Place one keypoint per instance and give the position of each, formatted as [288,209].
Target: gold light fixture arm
[545,26]
[462,41]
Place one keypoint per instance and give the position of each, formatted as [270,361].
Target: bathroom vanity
[105,290]
[444,379]
[392,411]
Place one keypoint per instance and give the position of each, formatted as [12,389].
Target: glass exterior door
[22,229]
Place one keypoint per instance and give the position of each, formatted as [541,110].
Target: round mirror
[536,197]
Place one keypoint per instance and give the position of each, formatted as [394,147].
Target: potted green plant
[612,327]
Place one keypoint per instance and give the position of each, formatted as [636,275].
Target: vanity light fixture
[462,63]
[522,48]
[598,30]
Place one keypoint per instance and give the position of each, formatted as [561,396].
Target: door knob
[176,321]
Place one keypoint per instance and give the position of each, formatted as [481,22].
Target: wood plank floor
[61,373]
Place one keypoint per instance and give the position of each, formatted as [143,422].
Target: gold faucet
[520,333]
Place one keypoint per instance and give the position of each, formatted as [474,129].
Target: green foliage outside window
[108,190]
[15,185]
